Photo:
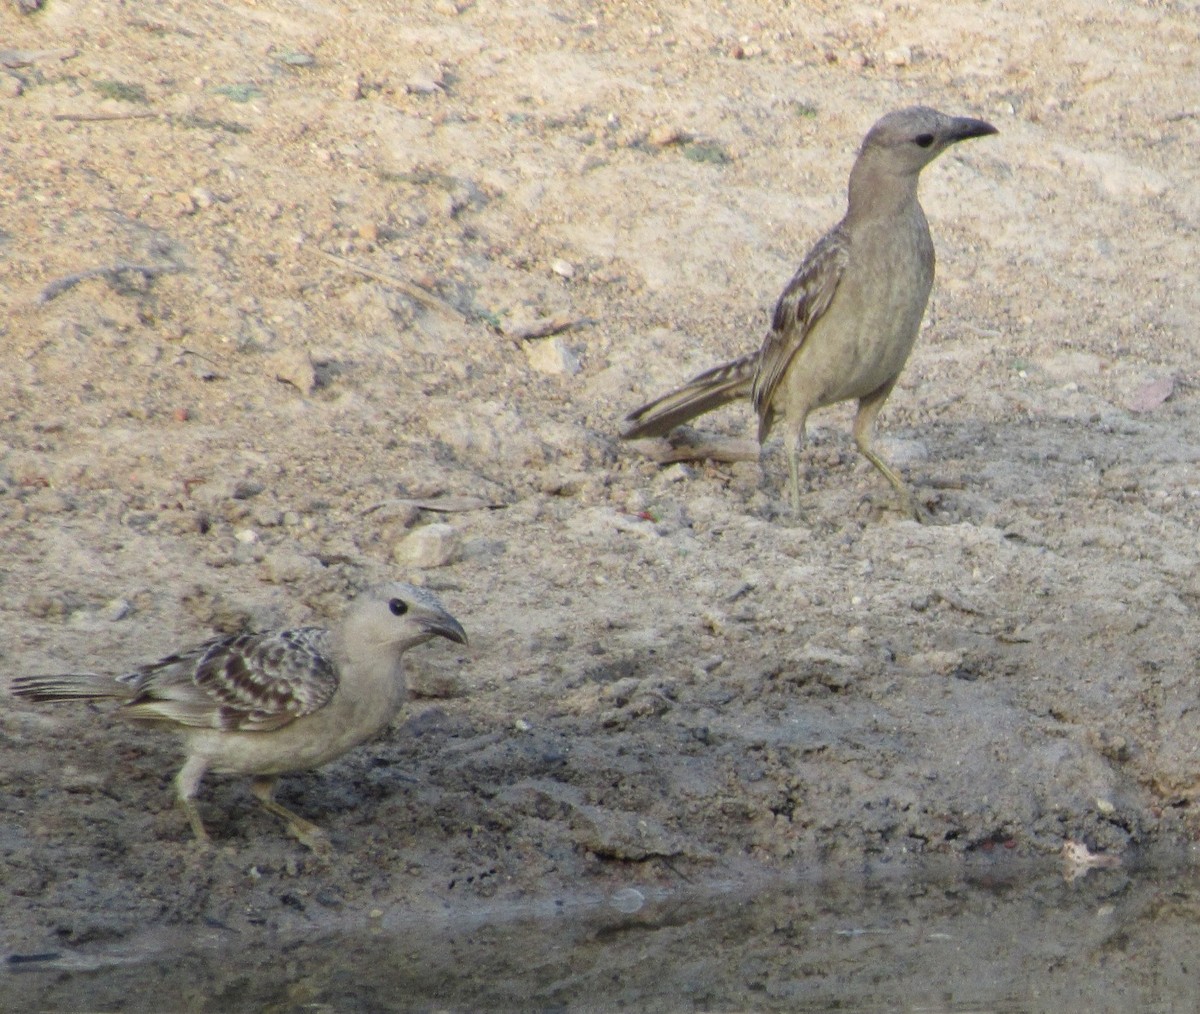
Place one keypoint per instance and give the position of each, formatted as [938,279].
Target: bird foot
[193,815]
[310,836]
[305,831]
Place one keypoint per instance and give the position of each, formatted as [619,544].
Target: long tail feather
[711,389]
[79,686]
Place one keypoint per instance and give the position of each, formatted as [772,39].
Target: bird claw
[314,839]
[304,831]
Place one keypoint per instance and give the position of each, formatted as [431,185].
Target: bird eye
[398,607]
[924,140]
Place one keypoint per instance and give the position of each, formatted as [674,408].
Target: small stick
[442,505]
[700,448]
[101,117]
[542,328]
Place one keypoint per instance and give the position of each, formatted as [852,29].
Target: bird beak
[445,626]
[963,127]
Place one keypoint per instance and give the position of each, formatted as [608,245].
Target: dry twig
[441,504]
[543,327]
[692,446]
[138,114]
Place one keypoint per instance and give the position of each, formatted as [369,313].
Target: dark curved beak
[964,127]
[445,626]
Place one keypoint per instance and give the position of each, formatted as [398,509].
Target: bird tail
[711,389]
[75,686]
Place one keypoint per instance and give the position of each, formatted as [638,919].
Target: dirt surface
[267,270]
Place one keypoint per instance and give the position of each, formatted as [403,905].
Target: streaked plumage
[846,322]
[267,703]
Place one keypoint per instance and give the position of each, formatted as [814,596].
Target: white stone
[552,357]
[433,545]
[295,367]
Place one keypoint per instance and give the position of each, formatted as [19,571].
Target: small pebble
[295,367]
[433,545]
[426,82]
[552,357]
[627,900]
[678,472]
[286,566]
[664,136]
[245,489]
[117,609]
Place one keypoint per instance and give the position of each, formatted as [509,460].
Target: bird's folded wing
[247,682]
[802,304]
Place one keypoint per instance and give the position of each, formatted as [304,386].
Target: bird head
[401,615]
[909,139]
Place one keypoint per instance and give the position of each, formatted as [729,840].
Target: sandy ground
[343,219]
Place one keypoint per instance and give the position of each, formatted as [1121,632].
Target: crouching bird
[847,321]
[268,703]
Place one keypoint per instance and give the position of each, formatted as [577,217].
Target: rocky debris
[432,545]
[467,254]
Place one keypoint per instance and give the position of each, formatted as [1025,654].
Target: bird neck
[357,648]
[879,191]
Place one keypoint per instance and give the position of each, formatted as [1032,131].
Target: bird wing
[244,683]
[802,304]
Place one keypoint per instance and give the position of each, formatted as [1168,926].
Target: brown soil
[341,219]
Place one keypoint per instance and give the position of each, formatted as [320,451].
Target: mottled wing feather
[263,681]
[805,299]
[246,682]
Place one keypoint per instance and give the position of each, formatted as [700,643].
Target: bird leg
[864,424]
[187,781]
[309,835]
[795,447]
[193,816]
[793,459]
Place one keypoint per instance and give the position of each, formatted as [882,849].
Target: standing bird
[847,320]
[269,703]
